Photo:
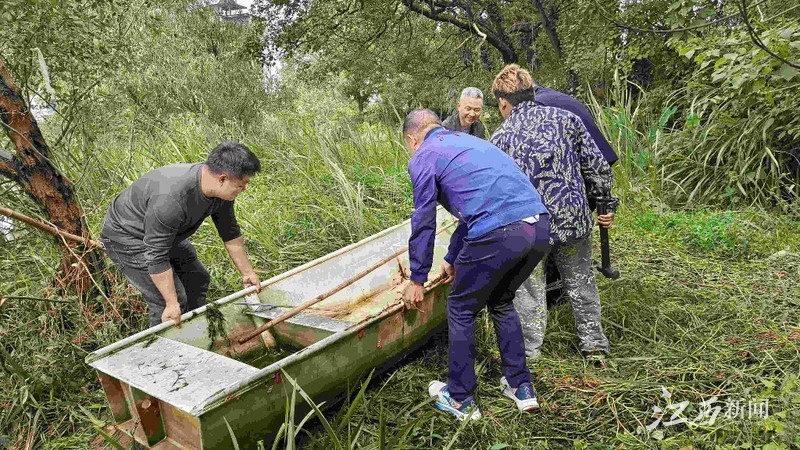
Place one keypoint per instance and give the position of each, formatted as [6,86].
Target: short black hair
[517,97]
[234,159]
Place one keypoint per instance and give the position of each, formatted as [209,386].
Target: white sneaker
[524,396]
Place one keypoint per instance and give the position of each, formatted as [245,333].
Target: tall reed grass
[685,149]
[323,186]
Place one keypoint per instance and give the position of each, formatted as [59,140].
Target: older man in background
[554,148]
[467,118]
[502,234]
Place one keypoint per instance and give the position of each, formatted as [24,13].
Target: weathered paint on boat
[181,387]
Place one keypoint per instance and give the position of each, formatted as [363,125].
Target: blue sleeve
[423,220]
[605,148]
[456,242]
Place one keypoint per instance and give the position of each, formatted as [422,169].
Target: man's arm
[423,220]
[596,171]
[423,227]
[165,283]
[161,224]
[238,254]
[456,242]
[597,136]
[228,229]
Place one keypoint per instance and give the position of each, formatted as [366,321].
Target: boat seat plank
[270,312]
[177,373]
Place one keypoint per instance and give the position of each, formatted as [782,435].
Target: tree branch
[756,39]
[606,15]
[52,229]
[7,166]
[549,28]
[508,53]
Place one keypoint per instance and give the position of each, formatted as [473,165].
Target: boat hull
[198,387]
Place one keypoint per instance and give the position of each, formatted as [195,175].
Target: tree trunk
[32,170]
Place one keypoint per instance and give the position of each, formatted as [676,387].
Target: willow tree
[57,52]
[32,169]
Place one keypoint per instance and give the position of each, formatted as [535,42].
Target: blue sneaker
[524,396]
[466,410]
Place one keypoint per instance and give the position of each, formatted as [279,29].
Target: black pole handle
[605,267]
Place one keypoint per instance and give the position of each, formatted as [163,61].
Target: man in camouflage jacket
[555,150]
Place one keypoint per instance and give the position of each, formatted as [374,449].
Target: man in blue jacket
[502,234]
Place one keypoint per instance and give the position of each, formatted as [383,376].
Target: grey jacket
[161,209]
[453,123]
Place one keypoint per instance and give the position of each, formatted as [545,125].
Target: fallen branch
[55,231]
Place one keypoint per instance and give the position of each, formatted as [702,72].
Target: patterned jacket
[553,147]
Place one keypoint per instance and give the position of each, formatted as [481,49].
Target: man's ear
[222,177]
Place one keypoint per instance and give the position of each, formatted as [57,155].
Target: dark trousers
[191,278]
[555,296]
[489,270]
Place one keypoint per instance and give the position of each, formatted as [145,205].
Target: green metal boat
[181,388]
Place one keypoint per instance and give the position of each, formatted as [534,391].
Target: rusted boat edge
[133,339]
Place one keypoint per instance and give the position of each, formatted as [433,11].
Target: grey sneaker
[524,396]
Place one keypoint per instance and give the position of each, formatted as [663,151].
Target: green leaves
[788,72]
[499,446]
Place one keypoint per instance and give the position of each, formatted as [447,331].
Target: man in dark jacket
[468,114]
[550,97]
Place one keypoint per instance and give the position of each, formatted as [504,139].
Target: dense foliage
[724,74]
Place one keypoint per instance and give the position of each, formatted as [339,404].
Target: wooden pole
[388,311]
[49,228]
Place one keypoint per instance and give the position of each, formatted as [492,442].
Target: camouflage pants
[574,261]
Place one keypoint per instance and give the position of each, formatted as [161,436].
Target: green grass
[708,305]
[695,321]
[689,148]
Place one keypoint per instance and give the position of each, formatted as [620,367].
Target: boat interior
[170,371]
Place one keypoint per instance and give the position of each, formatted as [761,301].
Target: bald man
[502,234]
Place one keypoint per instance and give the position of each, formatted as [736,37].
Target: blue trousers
[489,270]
